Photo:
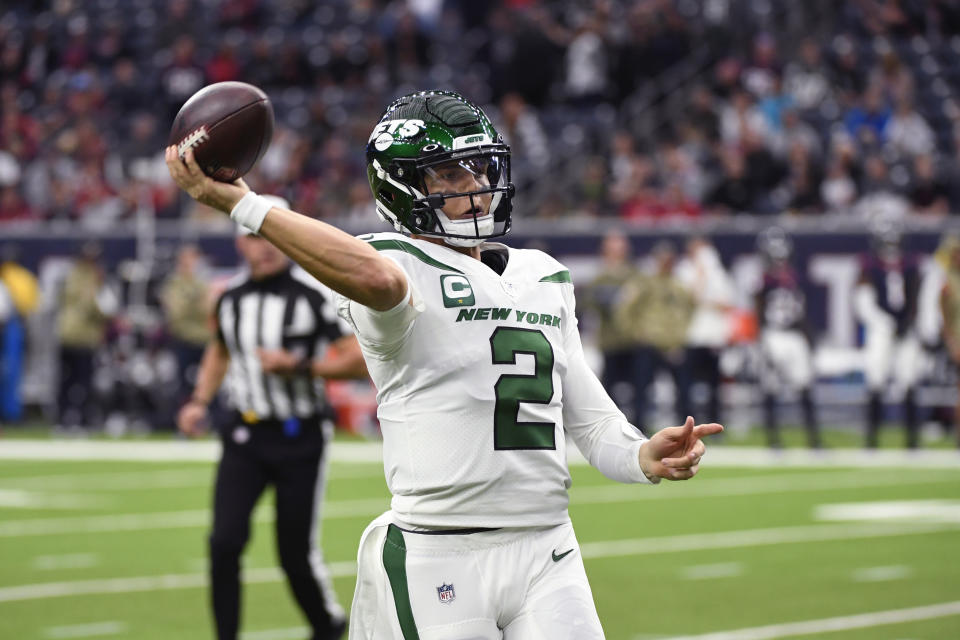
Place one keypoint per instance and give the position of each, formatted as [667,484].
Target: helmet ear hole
[421,220]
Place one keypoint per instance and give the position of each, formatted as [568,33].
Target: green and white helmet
[425,137]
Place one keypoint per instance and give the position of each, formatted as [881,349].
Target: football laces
[194,139]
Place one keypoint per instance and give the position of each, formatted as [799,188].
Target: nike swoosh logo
[558,558]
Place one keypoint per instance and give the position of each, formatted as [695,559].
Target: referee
[277,335]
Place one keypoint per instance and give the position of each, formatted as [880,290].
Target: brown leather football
[229,126]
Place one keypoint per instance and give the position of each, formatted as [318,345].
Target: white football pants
[786,359]
[887,358]
[510,584]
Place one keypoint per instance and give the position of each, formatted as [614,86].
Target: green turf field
[111,549]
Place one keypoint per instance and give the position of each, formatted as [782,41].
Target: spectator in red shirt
[223,66]
[13,206]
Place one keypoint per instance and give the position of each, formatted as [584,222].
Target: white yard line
[170,519]
[91,630]
[148,583]
[758,537]
[762,458]
[590,550]
[840,623]
[711,571]
[756,485]
[891,511]
[372,452]
[201,477]
[788,482]
[111,523]
[66,561]
[198,476]
[882,574]
[20,499]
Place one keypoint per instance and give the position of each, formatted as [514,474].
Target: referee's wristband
[250,211]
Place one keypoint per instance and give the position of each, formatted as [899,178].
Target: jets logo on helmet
[390,131]
[437,167]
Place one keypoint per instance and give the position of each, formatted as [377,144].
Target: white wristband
[250,211]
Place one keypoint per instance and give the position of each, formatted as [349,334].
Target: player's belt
[449,532]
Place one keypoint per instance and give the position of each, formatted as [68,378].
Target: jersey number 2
[512,389]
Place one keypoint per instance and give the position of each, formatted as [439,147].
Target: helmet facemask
[463,196]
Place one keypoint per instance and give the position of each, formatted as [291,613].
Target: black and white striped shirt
[290,310]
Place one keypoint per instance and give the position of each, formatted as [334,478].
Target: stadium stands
[802,95]
[662,116]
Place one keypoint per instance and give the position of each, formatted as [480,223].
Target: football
[228,125]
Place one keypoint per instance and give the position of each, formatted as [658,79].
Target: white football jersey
[478,375]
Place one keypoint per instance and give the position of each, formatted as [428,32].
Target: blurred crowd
[677,316]
[631,110]
[91,346]
[107,361]
[676,333]
[641,109]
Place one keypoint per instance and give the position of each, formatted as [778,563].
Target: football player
[785,346]
[474,350]
[600,299]
[949,253]
[885,302]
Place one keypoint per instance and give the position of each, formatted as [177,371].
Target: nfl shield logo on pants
[446,593]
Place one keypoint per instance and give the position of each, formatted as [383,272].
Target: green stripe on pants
[395,562]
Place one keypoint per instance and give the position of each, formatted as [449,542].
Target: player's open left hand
[674,453]
[190,177]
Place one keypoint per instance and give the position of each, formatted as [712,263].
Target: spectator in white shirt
[907,132]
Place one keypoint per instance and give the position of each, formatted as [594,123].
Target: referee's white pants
[510,584]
